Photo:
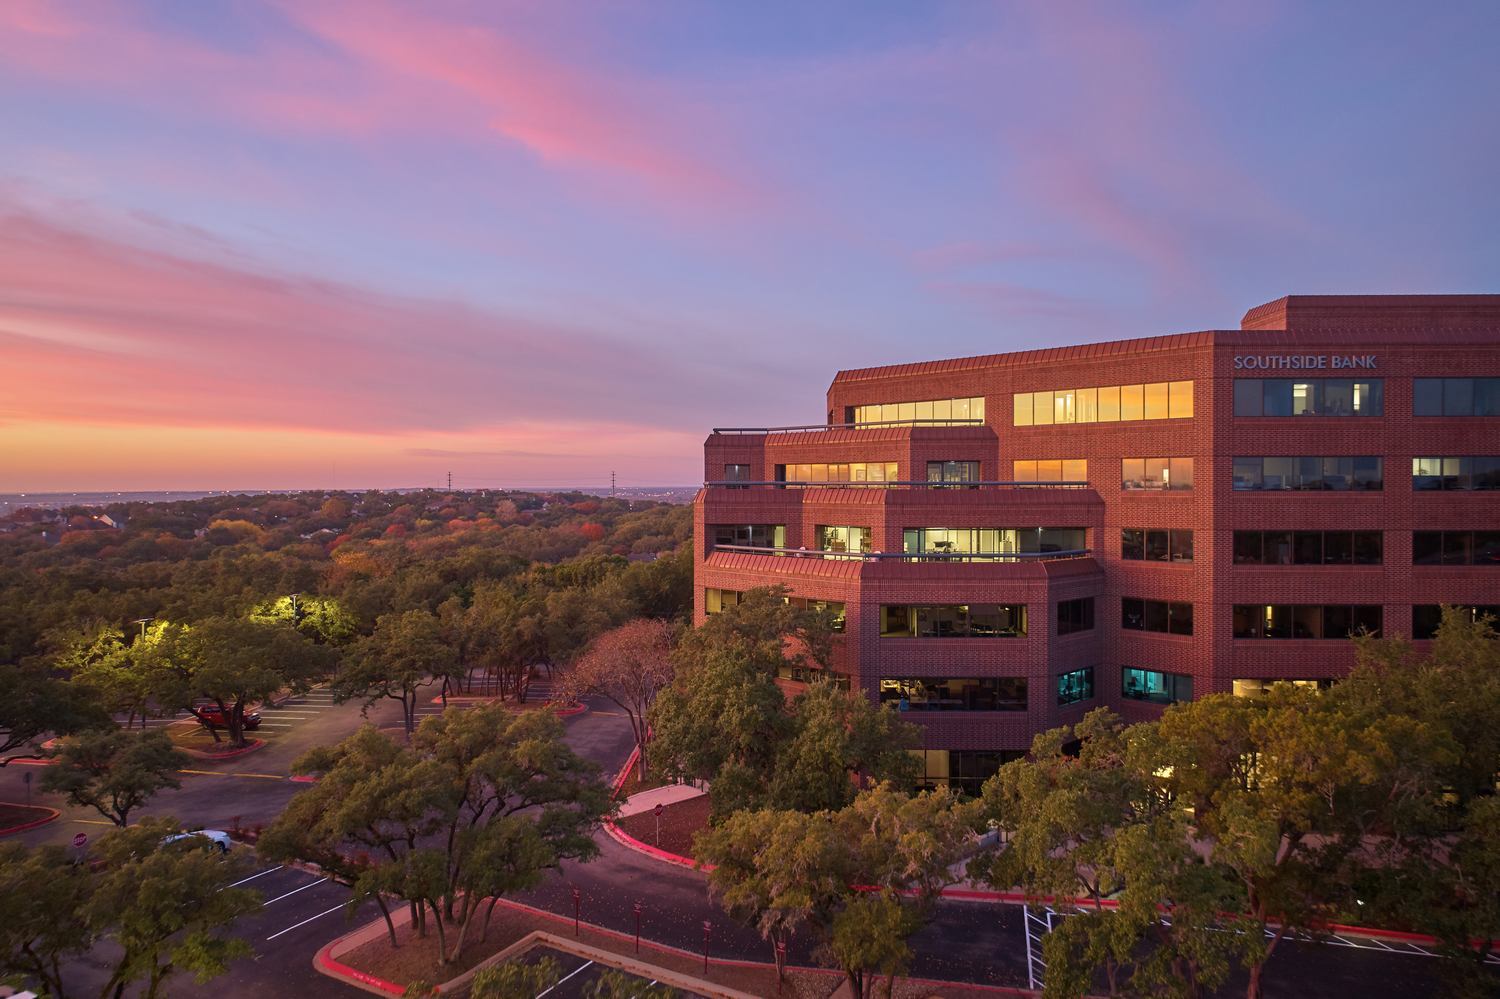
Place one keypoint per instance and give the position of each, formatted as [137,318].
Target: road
[969,941]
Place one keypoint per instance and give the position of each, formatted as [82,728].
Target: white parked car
[212,838]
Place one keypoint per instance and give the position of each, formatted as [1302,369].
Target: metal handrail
[921,484]
[814,427]
[907,556]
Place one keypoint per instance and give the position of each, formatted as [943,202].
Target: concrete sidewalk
[668,795]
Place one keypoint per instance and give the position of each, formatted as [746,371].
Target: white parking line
[294,891]
[304,922]
[563,979]
[254,876]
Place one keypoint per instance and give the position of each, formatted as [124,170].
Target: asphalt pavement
[967,941]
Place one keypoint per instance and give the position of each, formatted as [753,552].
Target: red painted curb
[655,853]
[337,969]
[207,757]
[34,823]
[576,709]
[624,773]
[304,779]
[31,763]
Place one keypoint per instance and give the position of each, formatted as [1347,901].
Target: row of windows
[1455,396]
[1156,473]
[1108,404]
[1308,548]
[931,410]
[1339,474]
[855,471]
[1425,618]
[1308,397]
[750,535]
[1455,547]
[1327,621]
[1050,470]
[1138,544]
[1259,688]
[716,600]
[965,770]
[1075,615]
[992,541]
[991,693]
[1481,472]
[1155,686]
[953,621]
[1075,686]
[843,539]
[953,471]
[1168,617]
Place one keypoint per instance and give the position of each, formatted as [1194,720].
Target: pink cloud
[98,329]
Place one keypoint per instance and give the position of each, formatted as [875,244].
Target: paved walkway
[644,801]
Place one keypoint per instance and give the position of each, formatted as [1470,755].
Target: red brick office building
[1014,539]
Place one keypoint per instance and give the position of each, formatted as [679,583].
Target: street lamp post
[143,621]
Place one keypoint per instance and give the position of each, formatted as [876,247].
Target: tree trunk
[466,917]
[235,720]
[1252,988]
[437,919]
[488,914]
[390,927]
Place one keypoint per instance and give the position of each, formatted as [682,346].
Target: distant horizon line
[26,493]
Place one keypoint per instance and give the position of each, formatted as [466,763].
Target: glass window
[1305,398]
[737,473]
[1182,546]
[1075,470]
[1247,548]
[1247,473]
[1487,548]
[1132,544]
[1247,397]
[1075,686]
[1157,546]
[1427,548]
[1132,402]
[1338,548]
[1338,397]
[1486,471]
[1277,397]
[1041,409]
[1457,548]
[1088,405]
[1369,548]
[1369,473]
[1075,615]
[1157,474]
[1278,547]
[1109,404]
[1154,686]
[1156,401]
[1063,409]
[1369,398]
[1181,395]
[1427,396]
[1133,473]
[1307,548]
[1458,396]
[1181,470]
[942,409]
[1487,397]
[1021,402]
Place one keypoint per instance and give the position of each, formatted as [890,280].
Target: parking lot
[579,973]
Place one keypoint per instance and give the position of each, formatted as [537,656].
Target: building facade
[1012,540]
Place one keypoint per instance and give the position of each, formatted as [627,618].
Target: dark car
[214,718]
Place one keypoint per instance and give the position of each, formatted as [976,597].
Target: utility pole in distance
[450,482]
[611,484]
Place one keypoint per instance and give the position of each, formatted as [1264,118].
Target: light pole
[143,621]
[293,598]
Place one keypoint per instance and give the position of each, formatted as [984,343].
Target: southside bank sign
[1303,362]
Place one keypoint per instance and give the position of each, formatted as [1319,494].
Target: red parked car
[214,718]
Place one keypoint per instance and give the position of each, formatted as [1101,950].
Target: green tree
[34,705]
[322,619]
[838,739]
[510,979]
[399,660]
[41,930]
[782,871]
[114,772]
[232,663]
[868,937]
[166,906]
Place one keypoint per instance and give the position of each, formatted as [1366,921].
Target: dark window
[1427,396]
[1076,686]
[1157,687]
[1157,548]
[1425,618]
[1247,547]
[953,621]
[1339,474]
[1156,615]
[1427,548]
[1309,397]
[1156,545]
[1307,548]
[1338,548]
[1455,548]
[954,694]
[1456,396]
[1182,546]
[1132,544]
[1330,621]
[737,473]
[750,535]
[1369,548]
[1075,615]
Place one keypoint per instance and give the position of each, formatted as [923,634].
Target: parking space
[297,710]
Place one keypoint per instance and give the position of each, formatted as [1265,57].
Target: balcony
[921,484]
[819,427]
[948,558]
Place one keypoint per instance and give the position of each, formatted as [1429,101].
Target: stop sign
[655,811]
[80,839]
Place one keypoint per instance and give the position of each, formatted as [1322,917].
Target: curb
[325,964]
[655,853]
[569,712]
[34,823]
[206,757]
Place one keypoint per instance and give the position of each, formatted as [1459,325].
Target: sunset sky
[311,244]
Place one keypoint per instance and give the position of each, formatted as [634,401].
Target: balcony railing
[905,556]
[815,427]
[919,484]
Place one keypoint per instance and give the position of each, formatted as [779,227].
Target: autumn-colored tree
[628,665]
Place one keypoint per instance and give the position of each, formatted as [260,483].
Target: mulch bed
[190,735]
[634,785]
[13,816]
[416,958]
[679,822]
